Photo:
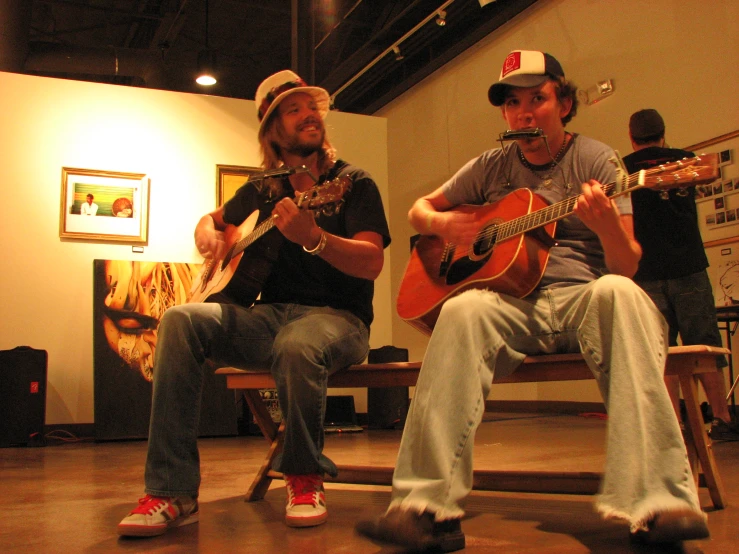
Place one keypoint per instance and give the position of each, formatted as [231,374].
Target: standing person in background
[672,269]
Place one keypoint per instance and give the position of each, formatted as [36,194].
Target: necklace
[546,179]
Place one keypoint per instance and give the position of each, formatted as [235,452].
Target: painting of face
[138,293]
[130,298]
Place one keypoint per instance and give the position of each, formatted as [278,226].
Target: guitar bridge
[446,259]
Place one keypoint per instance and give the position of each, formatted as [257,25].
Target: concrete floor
[69,497]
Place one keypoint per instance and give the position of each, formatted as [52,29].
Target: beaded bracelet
[320,246]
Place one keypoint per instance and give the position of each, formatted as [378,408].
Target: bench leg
[274,436]
[700,443]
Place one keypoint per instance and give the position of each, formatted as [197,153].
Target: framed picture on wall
[101,205]
[229,179]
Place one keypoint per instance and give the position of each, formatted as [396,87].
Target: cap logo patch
[511,63]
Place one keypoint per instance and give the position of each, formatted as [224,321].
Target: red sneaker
[306,501]
[154,515]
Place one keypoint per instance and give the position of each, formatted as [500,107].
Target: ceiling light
[206,59]
[441,18]
[398,55]
[206,68]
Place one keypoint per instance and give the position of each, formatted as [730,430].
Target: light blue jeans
[480,334]
[302,345]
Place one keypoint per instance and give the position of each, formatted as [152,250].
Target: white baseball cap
[524,68]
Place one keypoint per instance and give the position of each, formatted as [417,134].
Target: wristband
[320,246]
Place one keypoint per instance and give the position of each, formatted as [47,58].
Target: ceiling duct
[48,58]
[15,26]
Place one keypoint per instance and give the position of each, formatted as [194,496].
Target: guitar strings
[564,207]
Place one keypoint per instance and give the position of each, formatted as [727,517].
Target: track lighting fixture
[206,59]
[398,55]
[441,18]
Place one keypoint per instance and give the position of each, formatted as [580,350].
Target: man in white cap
[584,302]
[312,318]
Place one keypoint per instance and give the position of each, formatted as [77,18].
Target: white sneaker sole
[132,530]
[306,521]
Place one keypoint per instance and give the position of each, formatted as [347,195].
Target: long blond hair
[269,145]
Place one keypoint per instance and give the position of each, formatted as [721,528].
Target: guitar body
[238,278]
[437,270]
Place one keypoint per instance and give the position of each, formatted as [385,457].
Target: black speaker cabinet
[22,396]
[387,408]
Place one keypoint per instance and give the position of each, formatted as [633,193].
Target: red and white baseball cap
[524,68]
[275,88]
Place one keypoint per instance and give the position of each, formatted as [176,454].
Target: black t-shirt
[301,278]
[666,229]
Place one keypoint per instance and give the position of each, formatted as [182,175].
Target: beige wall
[177,140]
[679,56]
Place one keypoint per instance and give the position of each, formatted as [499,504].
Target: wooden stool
[687,362]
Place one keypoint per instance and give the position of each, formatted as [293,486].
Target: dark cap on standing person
[646,124]
[524,68]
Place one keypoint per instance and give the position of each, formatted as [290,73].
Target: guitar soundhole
[485,240]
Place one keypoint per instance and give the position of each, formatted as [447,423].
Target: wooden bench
[684,361]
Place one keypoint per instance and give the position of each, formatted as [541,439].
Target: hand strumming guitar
[209,239]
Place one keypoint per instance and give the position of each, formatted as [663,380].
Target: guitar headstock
[328,197]
[687,172]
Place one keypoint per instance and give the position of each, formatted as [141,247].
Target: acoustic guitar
[252,248]
[511,249]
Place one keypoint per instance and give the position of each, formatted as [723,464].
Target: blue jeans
[688,306]
[479,334]
[302,345]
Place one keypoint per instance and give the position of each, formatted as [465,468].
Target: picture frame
[229,179]
[104,206]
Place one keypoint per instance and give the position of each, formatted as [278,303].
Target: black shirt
[666,229]
[301,278]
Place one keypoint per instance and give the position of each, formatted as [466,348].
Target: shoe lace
[150,504]
[303,488]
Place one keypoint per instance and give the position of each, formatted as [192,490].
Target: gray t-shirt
[578,255]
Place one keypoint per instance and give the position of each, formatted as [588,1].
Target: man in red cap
[584,302]
[311,320]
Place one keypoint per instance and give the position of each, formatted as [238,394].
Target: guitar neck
[257,233]
[327,198]
[566,207]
